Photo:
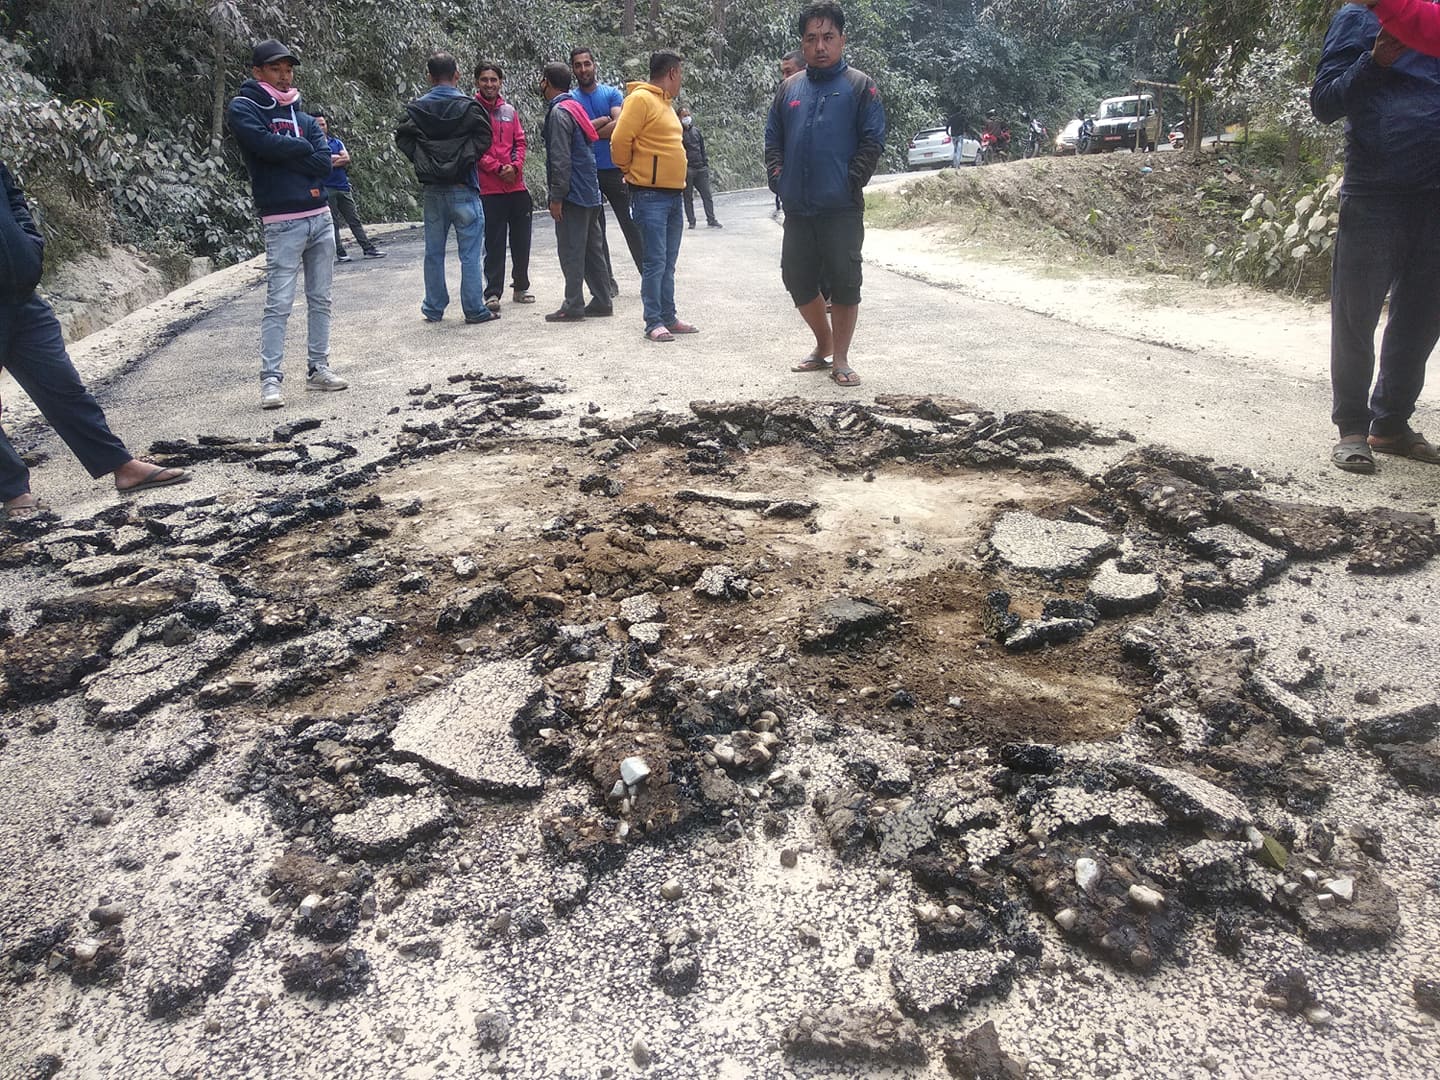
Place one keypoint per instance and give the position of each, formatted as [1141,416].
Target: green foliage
[1286,241]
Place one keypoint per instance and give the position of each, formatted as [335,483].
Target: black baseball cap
[270,50]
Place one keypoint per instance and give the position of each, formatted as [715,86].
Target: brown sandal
[813,362]
[1408,444]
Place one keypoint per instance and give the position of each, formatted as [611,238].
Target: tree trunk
[627,20]
[217,93]
[717,16]
[654,15]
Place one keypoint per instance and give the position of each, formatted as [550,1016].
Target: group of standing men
[823,138]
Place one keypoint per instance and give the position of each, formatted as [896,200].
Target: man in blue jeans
[444,133]
[646,143]
[288,158]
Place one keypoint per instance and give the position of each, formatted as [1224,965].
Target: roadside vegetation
[113,114]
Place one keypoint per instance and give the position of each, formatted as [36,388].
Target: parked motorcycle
[1086,138]
[994,144]
[1177,136]
[1036,138]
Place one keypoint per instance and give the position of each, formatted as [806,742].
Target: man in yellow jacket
[646,143]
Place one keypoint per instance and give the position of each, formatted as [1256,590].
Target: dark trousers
[698,180]
[508,213]
[33,351]
[1385,243]
[342,205]
[612,187]
[581,247]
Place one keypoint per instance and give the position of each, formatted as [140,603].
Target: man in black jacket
[697,171]
[444,133]
[33,351]
[288,158]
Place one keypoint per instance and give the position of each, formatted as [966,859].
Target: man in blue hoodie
[823,139]
[1388,238]
[288,158]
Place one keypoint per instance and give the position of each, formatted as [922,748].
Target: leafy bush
[1285,244]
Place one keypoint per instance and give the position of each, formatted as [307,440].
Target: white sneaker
[325,379]
[270,396]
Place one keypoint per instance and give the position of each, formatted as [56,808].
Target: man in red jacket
[502,190]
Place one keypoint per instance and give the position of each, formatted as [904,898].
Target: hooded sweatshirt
[284,151]
[507,147]
[21,248]
[646,141]
[444,133]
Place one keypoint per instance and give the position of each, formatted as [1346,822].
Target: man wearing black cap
[288,158]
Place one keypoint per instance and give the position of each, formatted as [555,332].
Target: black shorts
[823,247]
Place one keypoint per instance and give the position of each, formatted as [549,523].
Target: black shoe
[691,225]
[482,318]
[342,256]
[713,225]
[374,253]
[599,310]
[614,290]
[565,316]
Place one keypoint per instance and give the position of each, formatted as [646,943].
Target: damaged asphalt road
[789,737]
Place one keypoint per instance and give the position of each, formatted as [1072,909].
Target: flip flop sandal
[18,514]
[1411,444]
[844,377]
[813,363]
[659,333]
[153,480]
[1353,455]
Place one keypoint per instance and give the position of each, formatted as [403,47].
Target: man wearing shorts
[823,139]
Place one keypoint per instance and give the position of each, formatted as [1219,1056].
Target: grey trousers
[581,248]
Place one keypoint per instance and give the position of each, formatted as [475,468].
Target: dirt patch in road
[904,536]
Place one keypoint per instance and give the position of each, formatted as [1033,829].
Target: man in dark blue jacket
[823,139]
[33,351]
[573,195]
[288,158]
[1388,238]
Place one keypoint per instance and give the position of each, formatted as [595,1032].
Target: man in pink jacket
[503,193]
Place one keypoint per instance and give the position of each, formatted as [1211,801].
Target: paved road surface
[913,338]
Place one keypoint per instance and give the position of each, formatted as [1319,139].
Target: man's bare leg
[842,322]
[814,315]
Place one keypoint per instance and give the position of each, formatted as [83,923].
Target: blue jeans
[33,351]
[660,216]
[289,245]
[459,206]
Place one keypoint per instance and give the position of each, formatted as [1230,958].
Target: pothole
[470,678]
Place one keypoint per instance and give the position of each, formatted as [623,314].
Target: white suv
[1131,122]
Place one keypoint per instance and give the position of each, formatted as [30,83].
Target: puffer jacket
[646,140]
[22,249]
[1392,115]
[284,151]
[444,133]
[823,139]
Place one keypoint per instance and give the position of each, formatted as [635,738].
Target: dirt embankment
[1151,212]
